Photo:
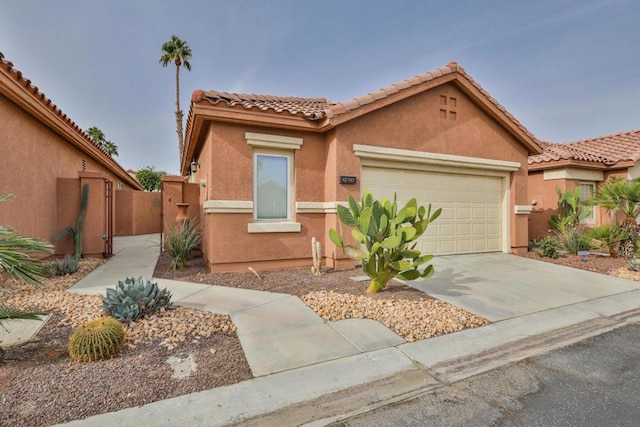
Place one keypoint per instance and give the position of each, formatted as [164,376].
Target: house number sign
[347,179]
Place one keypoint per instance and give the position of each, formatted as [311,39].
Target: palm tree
[178,52]
[110,148]
[101,141]
[619,195]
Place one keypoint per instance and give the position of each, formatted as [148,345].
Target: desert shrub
[576,241]
[550,247]
[63,267]
[181,240]
[97,339]
[608,235]
[135,298]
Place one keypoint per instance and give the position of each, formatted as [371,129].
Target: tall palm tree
[178,52]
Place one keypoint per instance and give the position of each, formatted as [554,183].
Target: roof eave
[27,97]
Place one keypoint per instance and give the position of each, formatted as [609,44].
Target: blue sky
[566,69]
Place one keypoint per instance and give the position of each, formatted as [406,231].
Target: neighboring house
[46,159]
[586,163]
[438,137]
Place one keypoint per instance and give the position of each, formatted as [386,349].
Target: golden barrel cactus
[97,339]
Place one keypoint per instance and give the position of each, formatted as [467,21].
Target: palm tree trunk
[179,114]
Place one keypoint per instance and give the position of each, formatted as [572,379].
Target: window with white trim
[273,183]
[587,191]
[272,172]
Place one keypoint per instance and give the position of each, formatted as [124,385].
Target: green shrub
[63,267]
[135,298]
[550,247]
[576,241]
[181,240]
[608,235]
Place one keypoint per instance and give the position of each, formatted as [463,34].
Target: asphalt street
[595,382]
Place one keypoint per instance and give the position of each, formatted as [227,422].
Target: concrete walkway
[297,357]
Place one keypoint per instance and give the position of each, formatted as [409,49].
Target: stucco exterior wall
[34,158]
[138,213]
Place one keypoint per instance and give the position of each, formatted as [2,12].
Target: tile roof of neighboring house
[16,76]
[608,149]
[320,108]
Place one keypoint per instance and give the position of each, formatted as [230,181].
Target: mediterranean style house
[272,169]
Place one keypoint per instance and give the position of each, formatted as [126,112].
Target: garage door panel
[471,219]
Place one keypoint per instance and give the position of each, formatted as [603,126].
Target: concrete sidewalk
[297,357]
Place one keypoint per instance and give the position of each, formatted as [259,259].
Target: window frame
[591,219]
[288,155]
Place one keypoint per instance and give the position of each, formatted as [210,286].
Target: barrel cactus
[97,339]
[135,298]
[389,236]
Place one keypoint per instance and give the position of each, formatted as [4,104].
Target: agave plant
[389,236]
[135,298]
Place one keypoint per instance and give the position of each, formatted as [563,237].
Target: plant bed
[597,263]
[40,385]
[334,295]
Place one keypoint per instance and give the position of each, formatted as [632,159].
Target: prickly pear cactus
[97,339]
[388,234]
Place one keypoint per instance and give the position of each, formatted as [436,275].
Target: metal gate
[108,237]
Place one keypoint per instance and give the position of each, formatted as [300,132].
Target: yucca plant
[181,240]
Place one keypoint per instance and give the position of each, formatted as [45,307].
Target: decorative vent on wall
[84,165]
[448,106]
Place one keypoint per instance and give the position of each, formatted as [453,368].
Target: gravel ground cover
[40,385]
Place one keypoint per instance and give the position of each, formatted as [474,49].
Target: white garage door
[472,207]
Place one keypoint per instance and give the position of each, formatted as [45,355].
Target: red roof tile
[310,108]
[608,149]
[319,108]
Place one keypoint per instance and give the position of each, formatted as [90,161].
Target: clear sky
[566,69]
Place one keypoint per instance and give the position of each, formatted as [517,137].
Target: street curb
[406,385]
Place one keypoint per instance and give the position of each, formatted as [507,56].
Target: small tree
[150,178]
[388,235]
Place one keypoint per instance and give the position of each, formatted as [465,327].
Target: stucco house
[273,169]
[46,160]
[586,163]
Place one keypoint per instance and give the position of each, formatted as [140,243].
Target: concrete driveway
[499,286]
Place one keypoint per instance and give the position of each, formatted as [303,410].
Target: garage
[472,205]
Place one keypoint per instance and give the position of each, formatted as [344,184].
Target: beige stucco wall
[411,124]
[34,158]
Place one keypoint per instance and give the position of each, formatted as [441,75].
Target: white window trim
[273,153]
[273,141]
[591,220]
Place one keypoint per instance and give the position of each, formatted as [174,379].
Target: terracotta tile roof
[319,108]
[608,149]
[310,108]
[16,76]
